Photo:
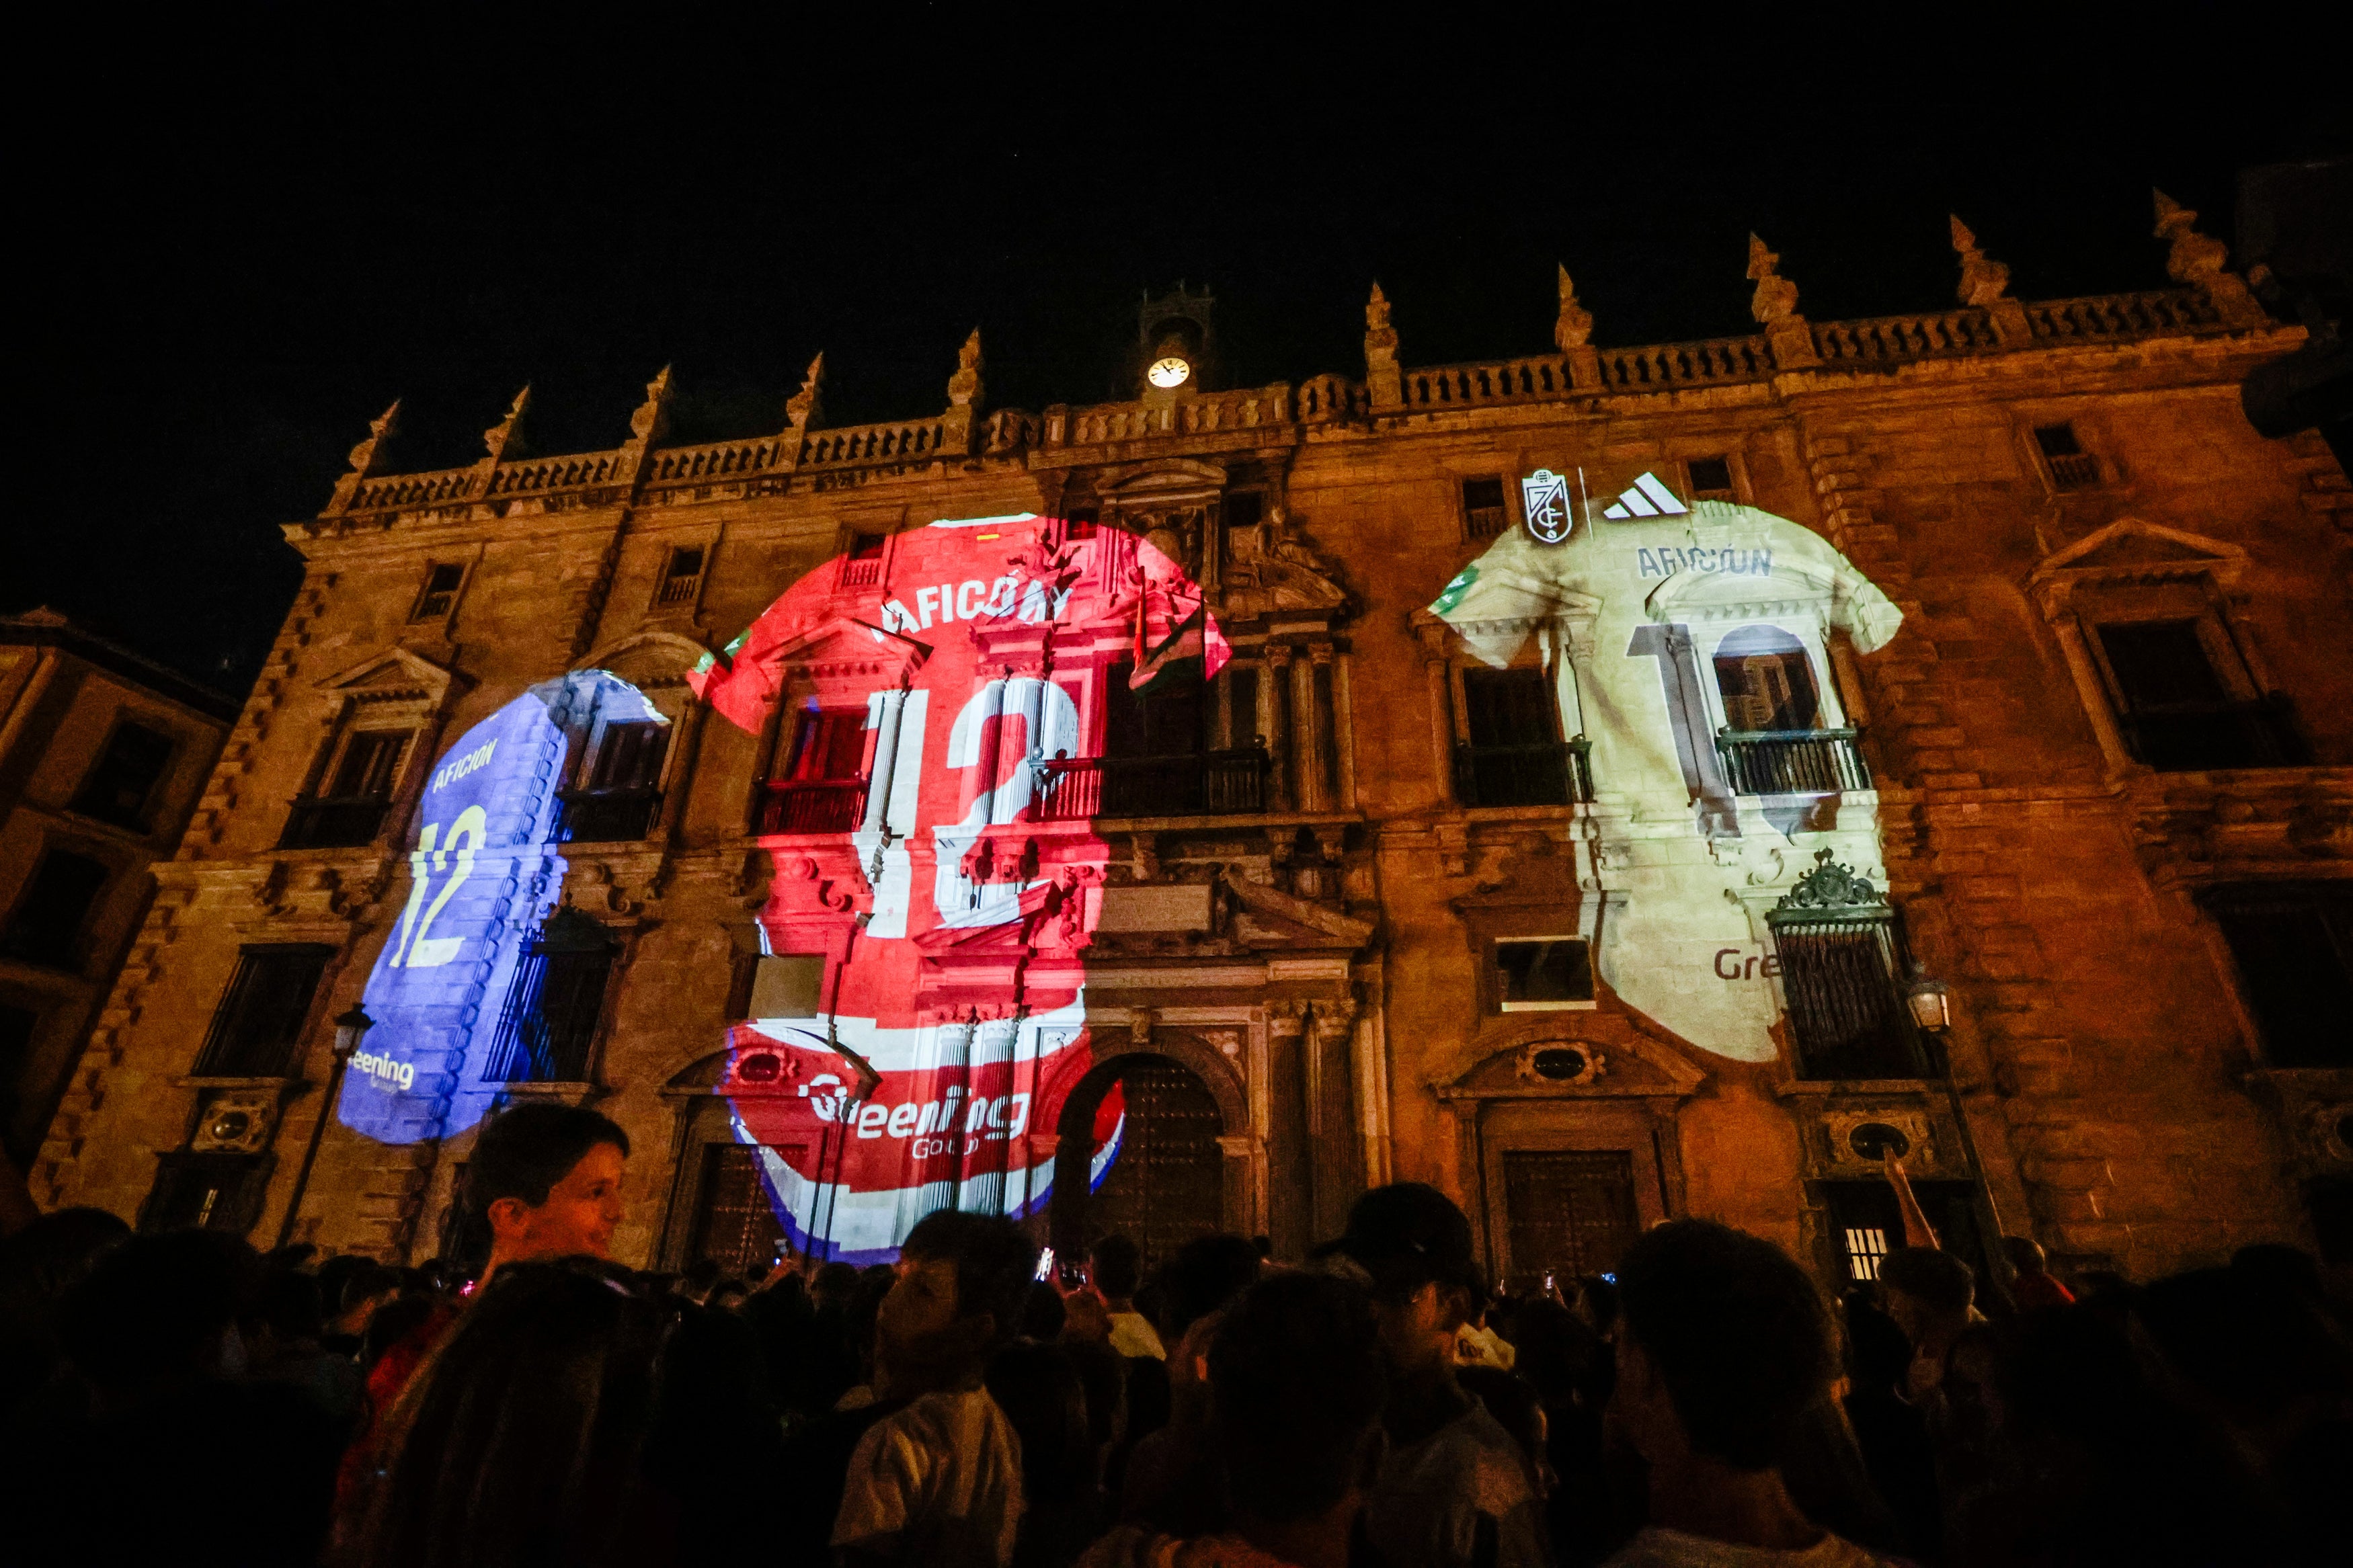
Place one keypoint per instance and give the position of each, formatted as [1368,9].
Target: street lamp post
[1930,1001]
[350,1028]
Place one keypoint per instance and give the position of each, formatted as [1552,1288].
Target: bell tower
[1176,345]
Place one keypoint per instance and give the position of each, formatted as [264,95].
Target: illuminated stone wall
[1324,960]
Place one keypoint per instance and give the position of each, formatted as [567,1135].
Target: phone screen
[1045,1263]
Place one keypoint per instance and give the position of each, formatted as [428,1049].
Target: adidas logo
[1646,498]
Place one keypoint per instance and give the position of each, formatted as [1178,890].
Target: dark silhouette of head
[1733,1329]
[1297,1382]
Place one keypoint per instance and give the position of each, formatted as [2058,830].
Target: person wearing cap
[1454,1491]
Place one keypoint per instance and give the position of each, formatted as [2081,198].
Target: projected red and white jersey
[933,708]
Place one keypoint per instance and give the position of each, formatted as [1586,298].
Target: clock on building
[1169,370]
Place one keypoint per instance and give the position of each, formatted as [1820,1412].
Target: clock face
[1172,371]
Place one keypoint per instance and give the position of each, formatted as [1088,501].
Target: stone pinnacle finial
[803,408]
[1776,298]
[1383,380]
[964,386]
[505,437]
[2190,257]
[380,429]
[652,416]
[1573,327]
[1983,280]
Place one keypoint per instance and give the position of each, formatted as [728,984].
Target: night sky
[246,241]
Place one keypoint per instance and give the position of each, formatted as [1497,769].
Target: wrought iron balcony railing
[811,806]
[604,815]
[1555,773]
[1200,783]
[329,821]
[2199,737]
[1792,762]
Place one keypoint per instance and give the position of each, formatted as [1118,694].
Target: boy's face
[919,1339]
[578,1219]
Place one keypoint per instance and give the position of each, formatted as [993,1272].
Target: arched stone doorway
[1167,1185]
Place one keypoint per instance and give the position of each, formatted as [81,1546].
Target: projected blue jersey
[483,875]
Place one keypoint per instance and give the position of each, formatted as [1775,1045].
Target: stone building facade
[103,756]
[1990,639]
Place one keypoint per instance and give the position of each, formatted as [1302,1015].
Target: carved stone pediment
[394,672]
[2131,551]
[1266,919]
[1583,1058]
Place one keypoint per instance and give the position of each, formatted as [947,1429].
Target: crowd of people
[179,1397]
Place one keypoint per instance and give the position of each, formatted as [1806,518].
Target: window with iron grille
[50,917]
[861,567]
[2071,467]
[1483,507]
[548,1027]
[441,584]
[211,1190]
[1081,523]
[121,781]
[1846,1007]
[257,1030]
[682,576]
[1711,479]
[2293,945]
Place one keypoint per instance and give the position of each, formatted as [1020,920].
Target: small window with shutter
[1483,509]
[118,787]
[442,581]
[681,575]
[2071,467]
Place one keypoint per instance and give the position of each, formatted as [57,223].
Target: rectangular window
[349,811]
[51,916]
[118,786]
[1711,479]
[1515,755]
[820,784]
[549,1023]
[1081,523]
[1543,973]
[1483,507]
[618,796]
[681,575]
[16,1026]
[2071,467]
[257,1030]
[1244,509]
[207,1191]
[2178,714]
[2293,942]
[441,584]
[369,765]
[1863,1225]
[1846,1012]
[862,566]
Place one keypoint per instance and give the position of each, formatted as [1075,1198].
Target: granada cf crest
[1545,498]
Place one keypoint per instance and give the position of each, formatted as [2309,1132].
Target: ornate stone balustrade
[1893,339]
[2006,326]
[1710,361]
[2160,312]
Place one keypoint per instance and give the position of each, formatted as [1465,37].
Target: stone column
[1304,725]
[949,1053]
[1439,698]
[1332,1116]
[1291,1218]
[990,1064]
[1273,722]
